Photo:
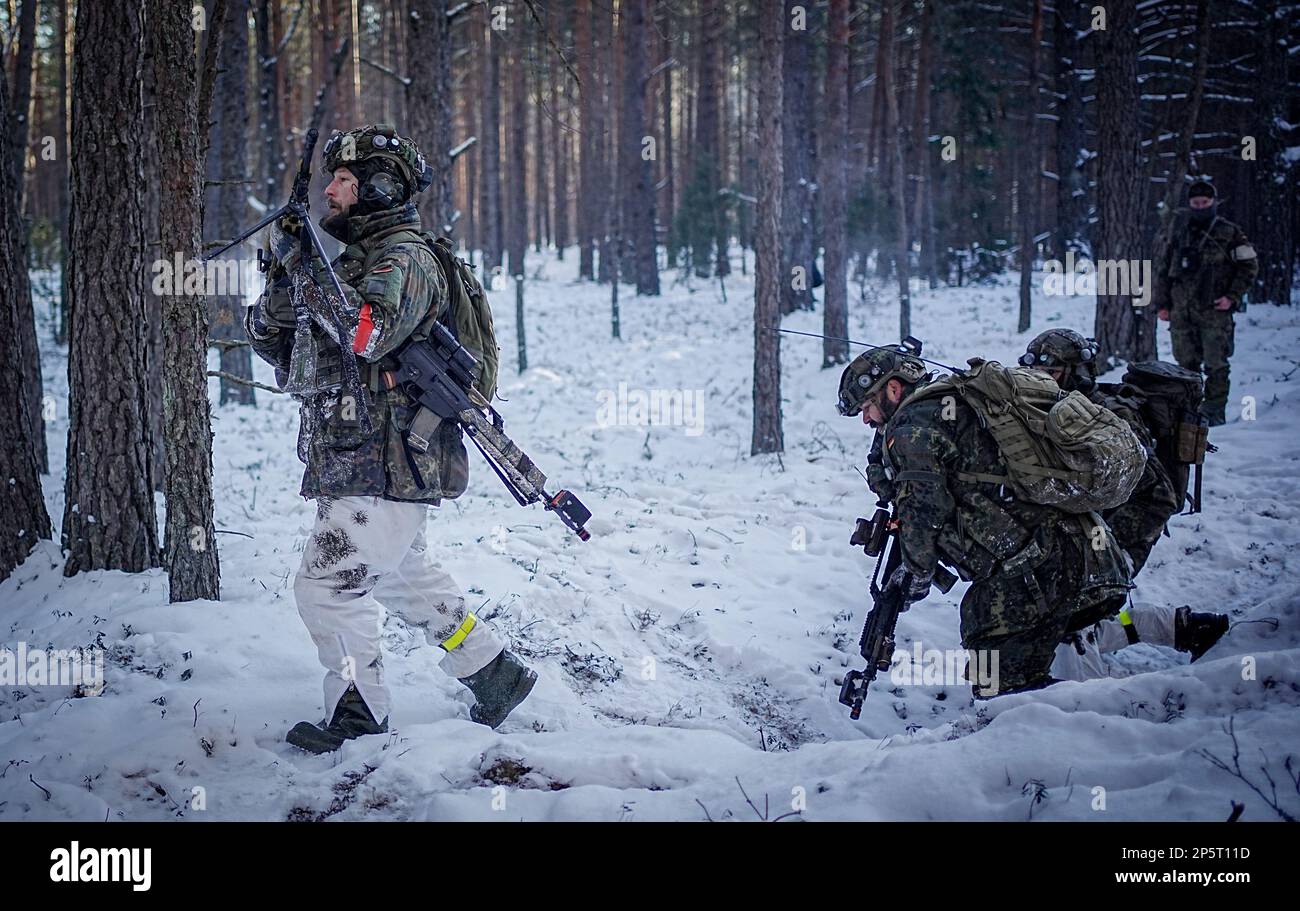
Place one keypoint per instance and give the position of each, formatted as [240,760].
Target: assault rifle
[438,373]
[308,300]
[879,538]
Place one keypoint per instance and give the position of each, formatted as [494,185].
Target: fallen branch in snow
[1235,770]
[48,795]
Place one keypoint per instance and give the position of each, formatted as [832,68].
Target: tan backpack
[1059,448]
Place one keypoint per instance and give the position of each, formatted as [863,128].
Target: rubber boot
[352,718]
[1196,633]
[498,688]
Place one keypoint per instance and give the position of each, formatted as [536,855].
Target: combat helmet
[871,370]
[1066,350]
[389,168]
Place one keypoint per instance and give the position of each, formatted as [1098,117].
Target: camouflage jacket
[391,280]
[1204,264]
[1137,524]
[977,527]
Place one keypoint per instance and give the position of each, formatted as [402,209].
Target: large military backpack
[469,314]
[1170,406]
[1058,447]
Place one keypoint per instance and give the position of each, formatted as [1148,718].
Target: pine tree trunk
[1274,179]
[834,181]
[925,189]
[268,105]
[705,249]
[638,174]
[1122,331]
[607,162]
[23,521]
[893,164]
[767,435]
[226,210]
[191,551]
[65,187]
[1072,182]
[561,97]
[800,162]
[518,157]
[16,124]
[1029,174]
[490,152]
[587,197]
[108,520]
[428,103]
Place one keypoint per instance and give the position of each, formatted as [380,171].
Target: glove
[273,309]
[284,243]
[914,587]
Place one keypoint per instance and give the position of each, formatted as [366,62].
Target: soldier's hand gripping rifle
[309,300]
[877,536]
[438,373]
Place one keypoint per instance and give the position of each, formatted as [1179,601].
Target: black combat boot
[352,718]
[498,688]
[1196,633]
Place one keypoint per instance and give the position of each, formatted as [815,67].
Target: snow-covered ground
[690,652]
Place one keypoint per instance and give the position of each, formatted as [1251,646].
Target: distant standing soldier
[1208,268]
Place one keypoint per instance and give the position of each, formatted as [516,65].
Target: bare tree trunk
[708,165]
[23,521]
[925,189]
[268,104]
[108,520]
[667,209]
[16,124]
[1029,174]
[800,161]
[428,103]
[518,156]
[768,436]
[893,159]
[834,181]
[1274,179]
[226,204]
[1122,331]
[63,50]
[561,98]
[638,175]
[541,181]
[587,196]
[490,151]
[607,161]
[1072,181]
[20,112]
[190,541]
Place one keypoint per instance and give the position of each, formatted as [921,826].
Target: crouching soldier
[1035,572]
[372,490]
[1137,524]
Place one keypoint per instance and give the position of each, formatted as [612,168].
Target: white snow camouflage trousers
[1154,624]
[368,551]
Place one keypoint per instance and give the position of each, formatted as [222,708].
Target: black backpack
[1170,406]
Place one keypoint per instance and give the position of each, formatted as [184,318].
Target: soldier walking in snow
[372,488]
